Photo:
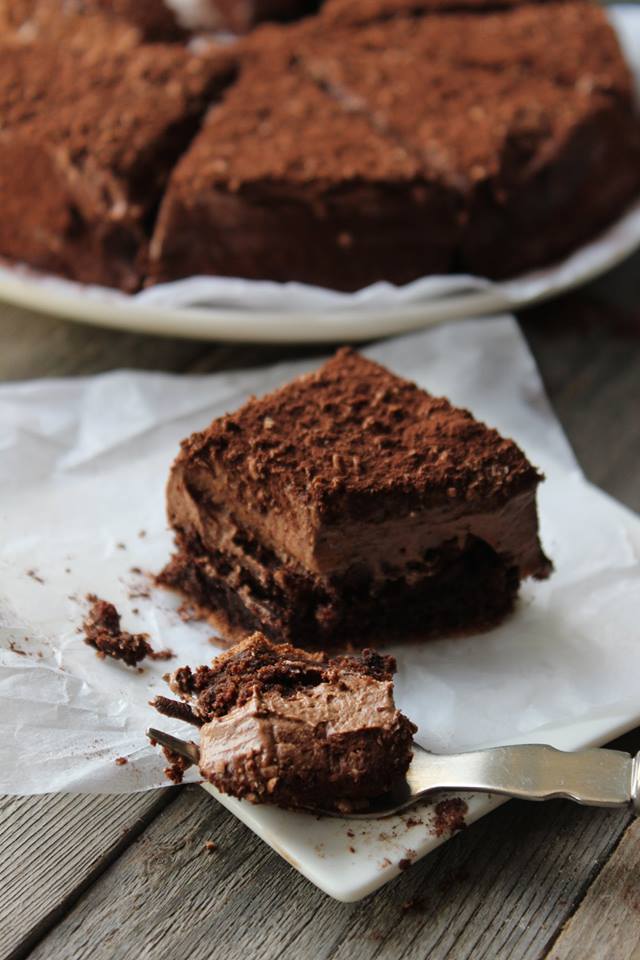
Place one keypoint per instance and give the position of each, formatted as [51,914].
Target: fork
[532,771]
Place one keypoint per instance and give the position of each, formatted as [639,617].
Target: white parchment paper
[83,465]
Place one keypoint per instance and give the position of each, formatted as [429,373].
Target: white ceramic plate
[261,312]
[349,859]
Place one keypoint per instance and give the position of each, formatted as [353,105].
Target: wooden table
[131,877]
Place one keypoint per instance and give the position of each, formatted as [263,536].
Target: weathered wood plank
[51,848]
[587,346]
[499,891]
[607,924]
[32,345]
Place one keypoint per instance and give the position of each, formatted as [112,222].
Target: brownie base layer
[457,591]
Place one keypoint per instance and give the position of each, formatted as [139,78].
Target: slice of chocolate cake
[89,135]
[348,508]
[375,147]
[279,725]
[526,111]
[279,158]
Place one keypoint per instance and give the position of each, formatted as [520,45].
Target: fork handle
[595,777]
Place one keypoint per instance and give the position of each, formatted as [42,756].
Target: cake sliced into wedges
[350,508]
[391,140]
[281,725]
[92,122]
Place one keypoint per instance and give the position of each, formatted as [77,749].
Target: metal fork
[595,777]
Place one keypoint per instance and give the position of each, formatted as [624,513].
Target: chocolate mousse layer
[349,506]
[280,725]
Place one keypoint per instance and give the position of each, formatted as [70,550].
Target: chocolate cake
[102,630]
[374,140]
[279,159]
[155,20]
[280,725]
[350,507]
[490,143]
[78,21]
[88,138]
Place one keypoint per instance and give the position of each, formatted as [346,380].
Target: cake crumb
[120,761]
[177,765]
[165,654]
[414,904]
[102,630]
[450,816]
[35,576]
[210,846]
[142,594]
[188,613]
[142,534]
[407,861]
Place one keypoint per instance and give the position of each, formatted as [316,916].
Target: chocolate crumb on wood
[415,904]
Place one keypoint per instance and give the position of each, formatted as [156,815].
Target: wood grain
[51,848]
[607,924]
[33,345]
[587,346]
[499,891]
